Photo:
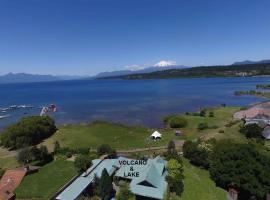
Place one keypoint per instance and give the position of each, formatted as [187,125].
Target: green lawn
[198,185]
[7,160]
[124,137]
[93,135]
[47,181]
[222,115]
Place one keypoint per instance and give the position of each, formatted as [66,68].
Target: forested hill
[204,71]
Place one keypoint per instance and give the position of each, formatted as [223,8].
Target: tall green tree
[25,156]
[175,176]
[252,131]
[105,186]
[56,147]
[82,162]
[27,132]
[171,147]
[243,166]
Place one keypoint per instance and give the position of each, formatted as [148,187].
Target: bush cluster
[243,167]
[27,132]
[28,155]
[198,152]
[106,149]
[176,121]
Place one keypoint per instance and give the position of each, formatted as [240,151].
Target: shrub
[177,122]
[69,154]
[211,114]
[203,113]
[124,193]
[28,131]
[251,131]
[202,126]
[82,151]
[175,176]
[83,162]
[221,131]
[65,151]
[106,149]
[214,127]
[198,152]
[28,155]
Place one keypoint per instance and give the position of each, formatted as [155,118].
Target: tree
[175,176]
[82,162]
[202,126]
[243,166]
[25,156]
[35,153]
[105,186]
[56,147]
[251,131]
[106,149]
[44,155]
[203,113]
[171,147]
[124,193]
[177,122]
[198,152]
[211,114]
[27,132]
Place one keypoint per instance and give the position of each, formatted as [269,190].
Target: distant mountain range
[162,69]
[145,70]
[162,66]
[257,69]
[27,78]
[246,62]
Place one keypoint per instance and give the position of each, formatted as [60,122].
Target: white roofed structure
[156,135]
[266,132]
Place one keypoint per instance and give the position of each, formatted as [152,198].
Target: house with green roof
[146,179]
[151,181]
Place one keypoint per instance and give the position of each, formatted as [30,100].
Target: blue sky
[84,37]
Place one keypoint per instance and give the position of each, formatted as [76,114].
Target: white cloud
[136,67]
[165,63]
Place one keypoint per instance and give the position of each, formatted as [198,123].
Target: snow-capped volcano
[136,69]
[165,63]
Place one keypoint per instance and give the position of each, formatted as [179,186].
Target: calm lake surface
[134,102]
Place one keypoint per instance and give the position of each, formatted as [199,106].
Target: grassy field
[93,135]
[124,137]
[222,115]
[47,181]
[198,185]
[7,159]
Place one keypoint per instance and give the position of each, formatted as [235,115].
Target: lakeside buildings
[146,179]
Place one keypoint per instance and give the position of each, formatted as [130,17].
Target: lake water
[135,102]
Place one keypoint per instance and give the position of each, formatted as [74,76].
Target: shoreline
[160,126]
